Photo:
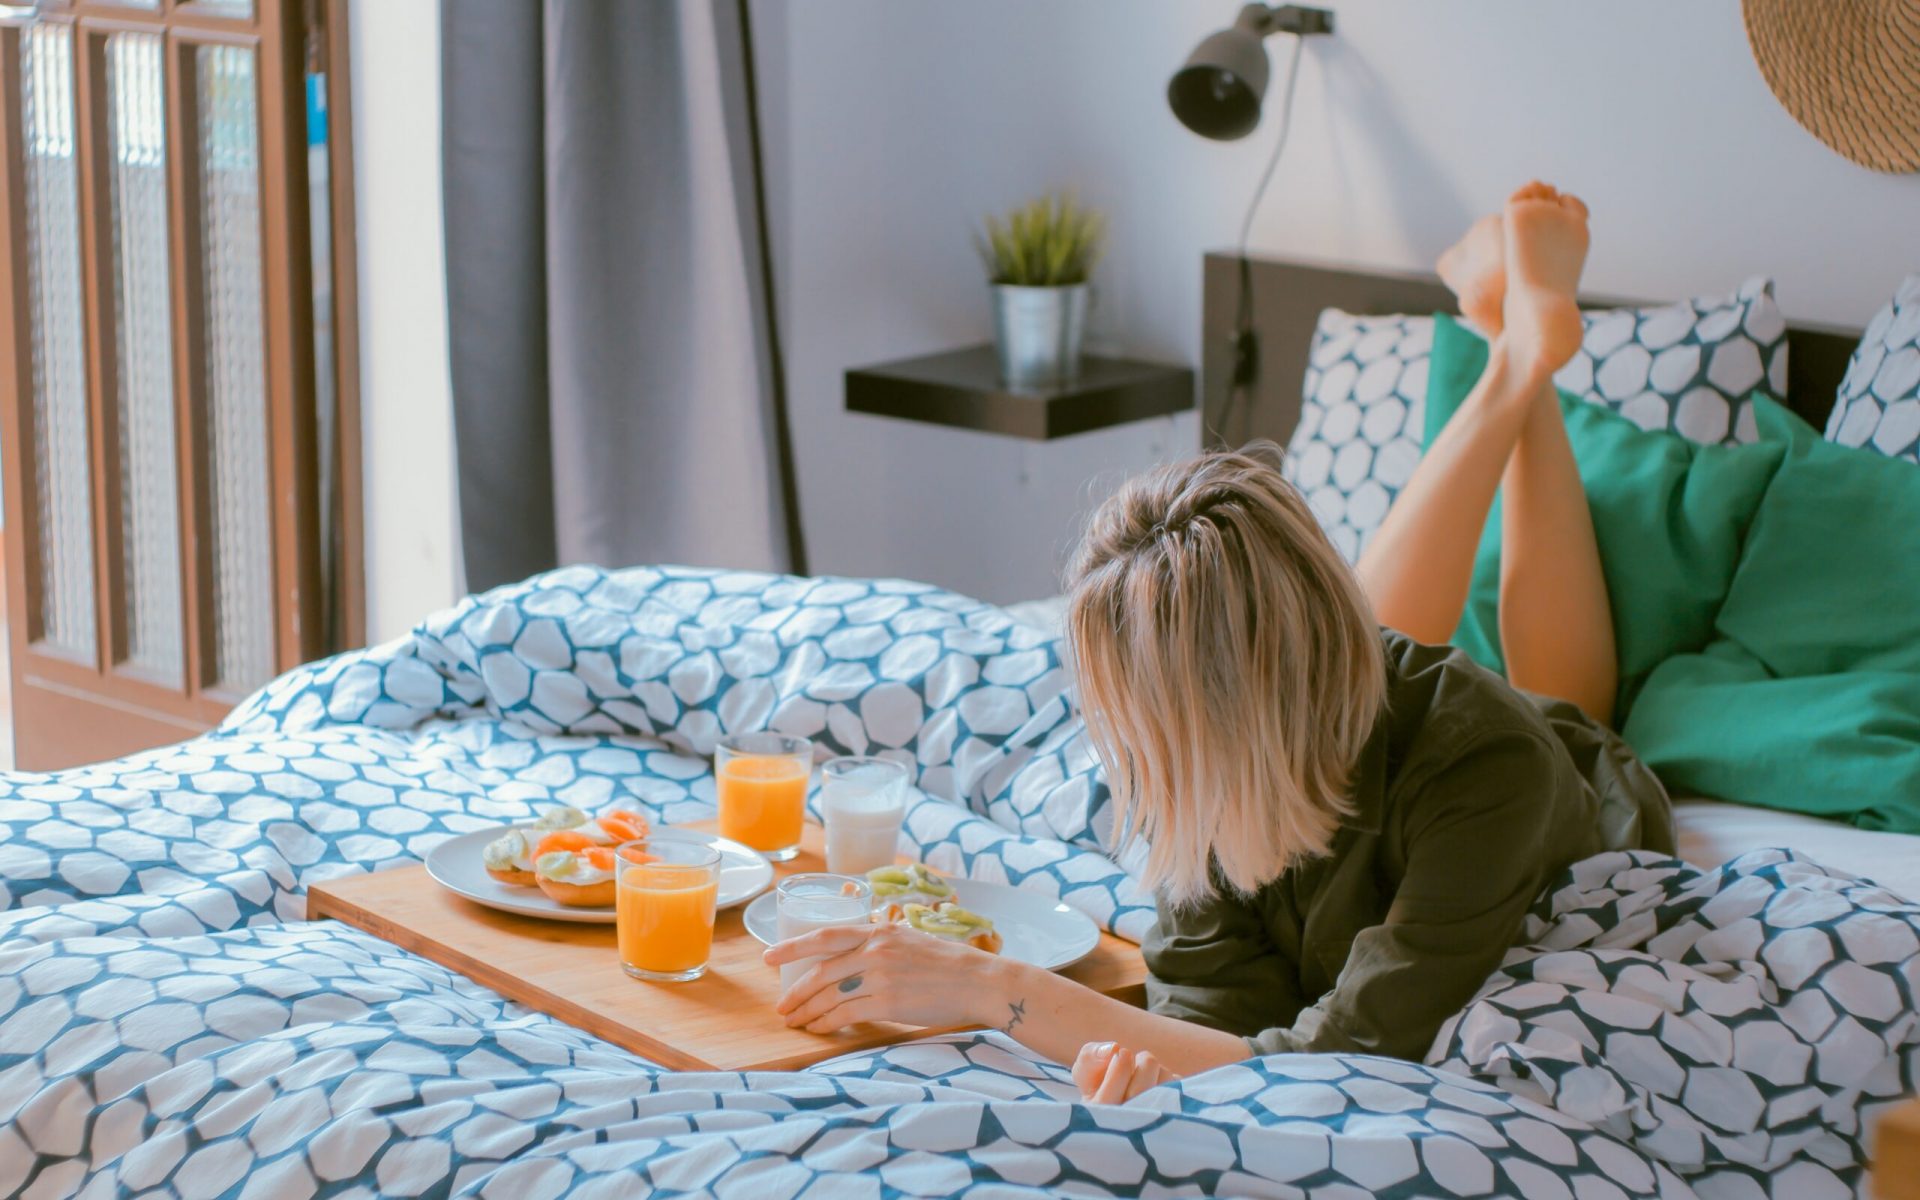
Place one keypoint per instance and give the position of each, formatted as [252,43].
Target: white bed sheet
[1712,832]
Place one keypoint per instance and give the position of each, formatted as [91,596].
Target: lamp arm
[1301,20]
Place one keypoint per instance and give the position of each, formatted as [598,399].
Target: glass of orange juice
[664,894]
[761,781]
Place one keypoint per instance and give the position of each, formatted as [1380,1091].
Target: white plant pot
[1039,331]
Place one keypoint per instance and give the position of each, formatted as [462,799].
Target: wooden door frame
[55,690]
[350,582]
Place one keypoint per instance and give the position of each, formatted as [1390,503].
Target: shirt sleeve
[1214,964]
[1478,854]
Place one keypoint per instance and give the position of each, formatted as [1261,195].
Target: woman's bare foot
[1475,267]
[1546,246]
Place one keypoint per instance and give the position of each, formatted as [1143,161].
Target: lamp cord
[1243,314]
[1279,144]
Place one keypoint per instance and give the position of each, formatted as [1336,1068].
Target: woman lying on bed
[1345,825]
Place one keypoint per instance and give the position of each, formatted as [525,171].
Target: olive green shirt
[1469,797]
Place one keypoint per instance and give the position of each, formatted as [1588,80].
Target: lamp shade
[1217,93]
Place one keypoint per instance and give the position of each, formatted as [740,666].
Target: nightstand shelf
[962,389]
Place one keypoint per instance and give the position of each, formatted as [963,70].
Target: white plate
[456,864]
[1033,928]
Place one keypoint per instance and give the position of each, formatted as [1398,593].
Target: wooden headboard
[1289,294]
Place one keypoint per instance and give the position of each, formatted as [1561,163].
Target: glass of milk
[816,900]
[862,801]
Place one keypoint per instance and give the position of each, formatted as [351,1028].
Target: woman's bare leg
[1556,629]
[1556,626]
[1419,563]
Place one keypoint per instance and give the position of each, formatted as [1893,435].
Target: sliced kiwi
[948,920]
[889,881]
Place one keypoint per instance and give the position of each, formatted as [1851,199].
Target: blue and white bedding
[170,1024]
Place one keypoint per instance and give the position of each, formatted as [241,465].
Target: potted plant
[1038,257]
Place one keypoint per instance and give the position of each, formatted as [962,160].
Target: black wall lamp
[1217,94]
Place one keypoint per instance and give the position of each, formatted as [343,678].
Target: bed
[1728,1023]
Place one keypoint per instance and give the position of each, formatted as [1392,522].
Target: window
[180,466]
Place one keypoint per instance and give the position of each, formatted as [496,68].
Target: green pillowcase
[1766,603]
[1669,517]
[1844,745]
[1809,698]
[1830,579]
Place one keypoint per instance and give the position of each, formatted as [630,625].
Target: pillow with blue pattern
[1686,367]
[1879,403]
[1362,415]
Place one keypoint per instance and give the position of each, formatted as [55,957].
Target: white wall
[892,128]
[405,392]
[905,120]
[893,125]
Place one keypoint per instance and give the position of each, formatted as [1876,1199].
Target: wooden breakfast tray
[1896,1154]
[722,1021]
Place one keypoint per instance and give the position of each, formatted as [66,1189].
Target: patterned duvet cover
[170,1024]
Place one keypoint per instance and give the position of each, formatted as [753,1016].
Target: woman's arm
[1483,839]
[1056,1016]
[887,973]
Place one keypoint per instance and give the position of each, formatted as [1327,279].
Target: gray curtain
[617,386]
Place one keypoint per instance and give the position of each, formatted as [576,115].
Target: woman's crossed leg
[1516,275]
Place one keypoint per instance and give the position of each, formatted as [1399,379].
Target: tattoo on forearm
[1016,1013]
[850,984]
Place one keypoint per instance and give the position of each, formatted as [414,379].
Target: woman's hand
[1110,1074]
[895,973]
[884,973]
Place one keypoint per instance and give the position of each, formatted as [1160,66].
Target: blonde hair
[1229,668]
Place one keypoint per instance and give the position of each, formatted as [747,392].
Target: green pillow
[1809,698]
[1669,516]
[1830,580]
[1845,745]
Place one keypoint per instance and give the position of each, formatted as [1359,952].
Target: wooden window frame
[280,32]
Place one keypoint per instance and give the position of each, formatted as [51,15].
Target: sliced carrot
[566,839]
[601,858]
